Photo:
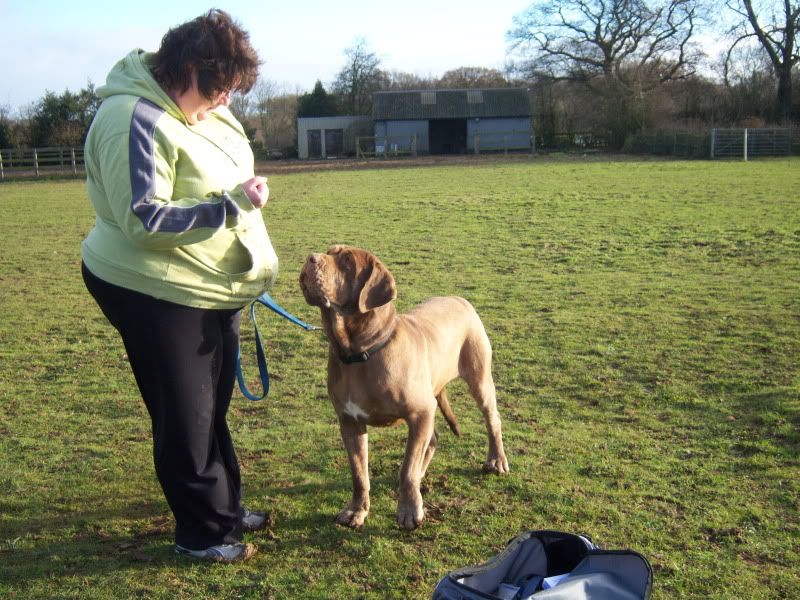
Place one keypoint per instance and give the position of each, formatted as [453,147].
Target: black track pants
[184,362]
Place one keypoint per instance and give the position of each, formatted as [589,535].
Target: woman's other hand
[256,190]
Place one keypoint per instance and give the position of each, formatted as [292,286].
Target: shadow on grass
[39,549]
[36,549]
[98,542]
[771,414]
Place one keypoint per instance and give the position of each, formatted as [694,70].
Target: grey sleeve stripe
[157,217]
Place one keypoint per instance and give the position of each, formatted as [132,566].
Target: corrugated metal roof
[451,104]
[342,122]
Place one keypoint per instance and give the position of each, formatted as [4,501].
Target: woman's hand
[256,190]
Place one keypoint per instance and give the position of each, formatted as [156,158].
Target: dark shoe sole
[248,551]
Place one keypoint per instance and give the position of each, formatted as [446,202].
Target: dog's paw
[410,520]
[497,465]
[351,518]
[410,514]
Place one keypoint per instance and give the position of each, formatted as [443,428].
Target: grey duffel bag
[551,565]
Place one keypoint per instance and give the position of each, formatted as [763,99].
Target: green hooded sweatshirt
[173,221]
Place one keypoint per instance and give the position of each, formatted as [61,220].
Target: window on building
[428,97]
[474,97]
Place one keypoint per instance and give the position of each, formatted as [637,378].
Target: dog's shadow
[298,524]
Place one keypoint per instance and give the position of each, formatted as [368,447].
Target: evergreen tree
[317,104]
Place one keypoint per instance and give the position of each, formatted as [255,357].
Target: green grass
[645,318]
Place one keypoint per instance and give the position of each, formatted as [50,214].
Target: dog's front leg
[354,436]
[410,512]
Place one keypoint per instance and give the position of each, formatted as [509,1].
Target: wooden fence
[408,145]
[40,162]
[502,141]
[386,146]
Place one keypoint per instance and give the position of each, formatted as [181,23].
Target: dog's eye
[347,263]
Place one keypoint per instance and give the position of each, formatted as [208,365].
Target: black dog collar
[364,356]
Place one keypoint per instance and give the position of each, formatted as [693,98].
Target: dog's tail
[444,406]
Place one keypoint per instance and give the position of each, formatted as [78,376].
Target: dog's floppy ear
[379,289]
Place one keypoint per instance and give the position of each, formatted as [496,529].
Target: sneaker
[253,521]
[225,553]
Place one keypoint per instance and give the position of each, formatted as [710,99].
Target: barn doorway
[334,143]
[447,136]
[314,143]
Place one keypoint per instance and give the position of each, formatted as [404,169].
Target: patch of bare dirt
[267,167]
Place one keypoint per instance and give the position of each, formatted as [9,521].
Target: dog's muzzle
[311,281]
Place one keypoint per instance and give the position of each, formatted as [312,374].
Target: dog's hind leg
[429,452]
[444,406]
[496,461]
[475,367]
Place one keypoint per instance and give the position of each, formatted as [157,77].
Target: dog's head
[349,280]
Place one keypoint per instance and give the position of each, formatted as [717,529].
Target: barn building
[330,137]
[453,121]
[425,122]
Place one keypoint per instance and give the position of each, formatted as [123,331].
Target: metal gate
[750,143]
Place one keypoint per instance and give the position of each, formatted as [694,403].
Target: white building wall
[352,127]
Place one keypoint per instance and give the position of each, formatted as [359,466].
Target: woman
[178,248]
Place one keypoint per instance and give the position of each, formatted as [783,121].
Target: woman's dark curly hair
[216,47]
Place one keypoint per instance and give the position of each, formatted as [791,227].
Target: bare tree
[620,39]
[262,94]
[400,80]
[775,24]
[22,126]
[748,84]
[281,121]
[472,77]
[241,105]
[6,125]
[359,78]
[622,49]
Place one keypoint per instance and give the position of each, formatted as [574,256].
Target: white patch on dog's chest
[354,410]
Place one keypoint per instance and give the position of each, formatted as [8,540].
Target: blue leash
[263,373]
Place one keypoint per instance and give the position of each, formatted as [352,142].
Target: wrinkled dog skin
[385,367]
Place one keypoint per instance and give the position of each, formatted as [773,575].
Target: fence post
[477,144]
[414,145]
[358,147]
[745,143]
[36,162]
[713,142]
[2,173]
[74,164]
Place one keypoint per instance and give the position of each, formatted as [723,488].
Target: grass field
[645,318]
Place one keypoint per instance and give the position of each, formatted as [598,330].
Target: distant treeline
[616,73]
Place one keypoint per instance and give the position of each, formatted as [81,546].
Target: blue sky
[56,45]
